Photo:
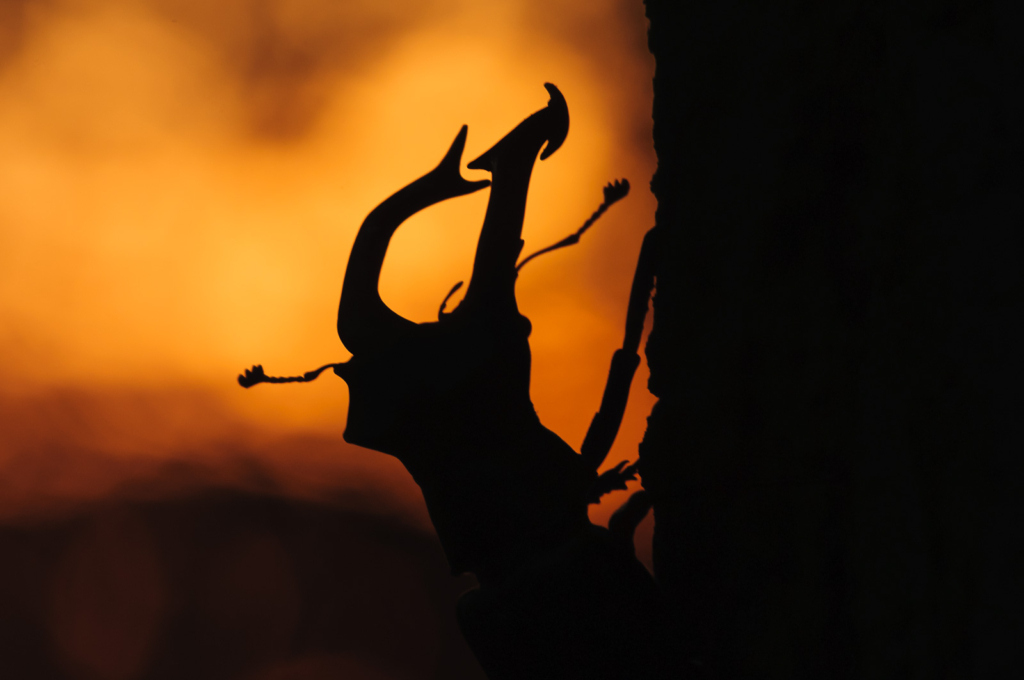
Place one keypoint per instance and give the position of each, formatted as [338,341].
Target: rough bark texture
[833,458]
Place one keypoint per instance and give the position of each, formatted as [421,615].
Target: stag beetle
[451,400]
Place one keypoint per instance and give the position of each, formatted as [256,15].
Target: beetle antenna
[255,376]
[613,192]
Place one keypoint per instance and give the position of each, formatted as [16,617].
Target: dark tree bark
[833,459]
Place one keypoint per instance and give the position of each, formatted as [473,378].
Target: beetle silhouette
[451,400]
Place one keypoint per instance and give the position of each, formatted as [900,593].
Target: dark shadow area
[227,584]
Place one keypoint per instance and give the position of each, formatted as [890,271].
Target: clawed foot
[612,479]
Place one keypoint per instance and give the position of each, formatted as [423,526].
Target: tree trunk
[833,457]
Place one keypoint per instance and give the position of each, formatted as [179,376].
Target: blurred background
[180,184]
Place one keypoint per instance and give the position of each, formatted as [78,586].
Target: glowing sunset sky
[181,182]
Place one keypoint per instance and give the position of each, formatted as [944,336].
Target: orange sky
[181,182]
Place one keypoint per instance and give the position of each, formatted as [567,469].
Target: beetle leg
[624,521]
[605,426]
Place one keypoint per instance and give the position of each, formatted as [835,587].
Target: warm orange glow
[181,181]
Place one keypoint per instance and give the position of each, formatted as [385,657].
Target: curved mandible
[364,321]
[510,163]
